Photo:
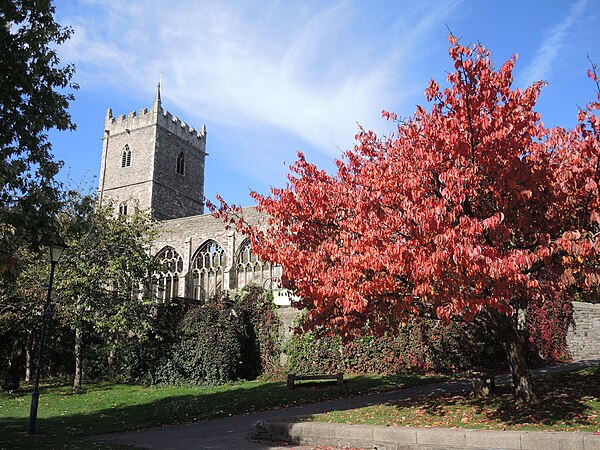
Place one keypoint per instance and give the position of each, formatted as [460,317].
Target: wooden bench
[292,378]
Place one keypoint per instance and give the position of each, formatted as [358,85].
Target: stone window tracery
[181,164]
[167,281]
[126,156]
[123,209]
[249,269]
[208,271]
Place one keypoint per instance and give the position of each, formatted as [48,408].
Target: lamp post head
[56,251]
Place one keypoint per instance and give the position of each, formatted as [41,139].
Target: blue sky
[269,78]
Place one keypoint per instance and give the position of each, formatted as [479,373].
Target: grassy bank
[66,417]
[568,402]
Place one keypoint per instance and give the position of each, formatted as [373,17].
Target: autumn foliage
[472,207]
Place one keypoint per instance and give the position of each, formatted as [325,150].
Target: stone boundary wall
[287,315]
[583,338]
[397,438]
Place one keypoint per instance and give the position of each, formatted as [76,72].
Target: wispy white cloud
[312,69]
[541,66]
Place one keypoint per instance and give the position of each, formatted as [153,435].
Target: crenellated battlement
[179,127]
[155,116]
[127,122]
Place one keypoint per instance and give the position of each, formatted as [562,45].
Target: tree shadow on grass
[564,403]
[563,400]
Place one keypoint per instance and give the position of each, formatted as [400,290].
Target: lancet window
[208,271]
[123,209]
[250,269]
[181,164]
[167,282]
[126,156]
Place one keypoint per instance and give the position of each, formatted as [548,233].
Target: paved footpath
[234,432]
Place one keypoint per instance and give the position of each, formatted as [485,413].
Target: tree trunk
[514,347]
[15,361]
[78,361]
[110,360]
[28,356]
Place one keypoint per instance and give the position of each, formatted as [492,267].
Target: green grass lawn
[65,417]
[568,402]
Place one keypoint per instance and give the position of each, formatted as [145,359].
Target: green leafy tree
[35,91]
[105,285]
[21,301]
[102,286]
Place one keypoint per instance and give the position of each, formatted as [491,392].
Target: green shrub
[315,352]
[135,359]
[208,349]
[228,338]
[422,345]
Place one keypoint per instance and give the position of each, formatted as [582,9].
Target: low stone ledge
[510,440]
[391,438]
[351,435]
[591,442]
[441,436]
[354,432]
[311,433]
[554,441]
[403,435]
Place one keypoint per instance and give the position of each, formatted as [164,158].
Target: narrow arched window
[167,280]
[123,209]
[180,164]
[126,156]
[208,271]
[250,269]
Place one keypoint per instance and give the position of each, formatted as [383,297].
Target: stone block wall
[178,195]
[187,236]
[583,339]
[133,182]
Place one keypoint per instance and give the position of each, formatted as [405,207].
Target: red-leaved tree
[471,210]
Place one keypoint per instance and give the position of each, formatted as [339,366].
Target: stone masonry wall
[188,234]
[583,339]
[176,195]
[135,181]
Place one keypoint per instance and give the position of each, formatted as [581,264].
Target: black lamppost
[56,252]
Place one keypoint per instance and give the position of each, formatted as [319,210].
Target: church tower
[152,160]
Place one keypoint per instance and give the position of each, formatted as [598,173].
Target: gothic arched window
[249,268]
[167,280]
[123,209]
[181,163]
[126,156]
[208,271]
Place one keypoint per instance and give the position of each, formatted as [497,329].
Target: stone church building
[154,161]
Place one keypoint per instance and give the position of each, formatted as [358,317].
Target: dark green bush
[208,349]
[134,359]
[228,338]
